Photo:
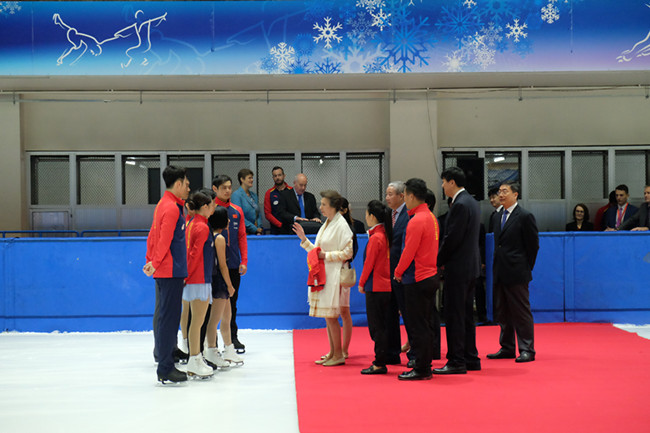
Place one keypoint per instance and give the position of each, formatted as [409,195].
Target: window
[194,165]
[589,175]
[323,171]
[265,164]
[50,181]
[631,170]
[96,180]
[141,179]
[366,177]
[502,166]
[546,175]
[229,165]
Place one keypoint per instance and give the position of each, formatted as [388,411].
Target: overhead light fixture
[320,161]
[499,158]
[130,162]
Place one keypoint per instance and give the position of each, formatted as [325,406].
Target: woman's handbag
[348,276]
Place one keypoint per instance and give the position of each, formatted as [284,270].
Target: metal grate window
[265,164]
[366,175]
[230,165]
[450,159]
[141,178]
[50,181]
[546,175]
[323,172]
[631,170]
[96,180]
[502,166]
[194,165]
[589,175]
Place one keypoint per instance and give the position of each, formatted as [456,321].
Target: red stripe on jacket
[268,206]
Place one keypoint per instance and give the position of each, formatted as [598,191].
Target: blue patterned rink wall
[322,37]
[96,284]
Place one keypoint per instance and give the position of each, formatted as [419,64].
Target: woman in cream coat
[335,240]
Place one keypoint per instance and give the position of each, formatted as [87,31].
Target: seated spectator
[615,216]
[246,199]
[580,221]
[640,221]
[598,219]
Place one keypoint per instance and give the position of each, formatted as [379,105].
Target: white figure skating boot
[196,366]
[230,355]
[214,358]
[185,348]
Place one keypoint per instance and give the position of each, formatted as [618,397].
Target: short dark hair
[493,191]
[612,197]
[197,200]
[220,179]
[430,200]
[219,219]
[244,173]
[417,187]
[582,205]
[623,187]
[456,174]
[277,167]
[171,174]
[208,192]
[335,199]
[514,186]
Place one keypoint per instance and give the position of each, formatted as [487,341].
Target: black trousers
[378,312]
[170,294]
[514,317]
[235,278]
[393,326]
[459,322]
[419,300]
[481,300]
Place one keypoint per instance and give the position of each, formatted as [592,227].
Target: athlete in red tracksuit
[167,262]
[417,270]
[375,282]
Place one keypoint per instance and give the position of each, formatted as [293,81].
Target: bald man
[297,205]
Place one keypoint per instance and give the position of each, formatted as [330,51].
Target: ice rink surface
[106,382]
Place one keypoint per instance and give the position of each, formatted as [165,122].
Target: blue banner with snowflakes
[322,36]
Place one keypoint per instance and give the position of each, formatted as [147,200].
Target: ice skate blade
[195,376]
[235,364]
[166,382]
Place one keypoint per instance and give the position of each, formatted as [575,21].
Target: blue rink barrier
[97,284]
[588,277]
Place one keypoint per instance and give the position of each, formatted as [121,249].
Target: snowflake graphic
[299,67]
[408,45]
[469,3]
[10,7]
[362,30]
[497,11]
[492,34]
[303,44]
[317,9]
[327,32]
[484,57]
[550,13]
[354,59]
[376,67]
[327,67]
[380,20]
[370,5]
[454,63]
[516,30]
[284,55]
[459,21]
[268,64]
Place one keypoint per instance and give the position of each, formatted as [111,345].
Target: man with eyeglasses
[516,242]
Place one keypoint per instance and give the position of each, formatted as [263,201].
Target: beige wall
[12,179]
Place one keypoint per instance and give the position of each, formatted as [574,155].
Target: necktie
[302,206]
[394,216]
[619,216]
[504,218]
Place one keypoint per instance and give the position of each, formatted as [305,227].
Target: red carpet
[586,378]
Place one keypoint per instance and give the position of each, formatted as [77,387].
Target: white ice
[106,382]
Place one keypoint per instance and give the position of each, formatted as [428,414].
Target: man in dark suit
[516,242]
[640,221]
[623,211]
[399,218]
[459,254]
[297,205]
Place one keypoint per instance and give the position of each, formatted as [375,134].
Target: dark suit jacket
[288,208]
[639,219]
[515,247]
[399,231]
[459,247]
[609,218]
[587,226]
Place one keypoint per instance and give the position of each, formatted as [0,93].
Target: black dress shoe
[374,370]
[174,376]
[501,354]
[448,369]
[525,357]
[411,363]
[473,366]
[414,375]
